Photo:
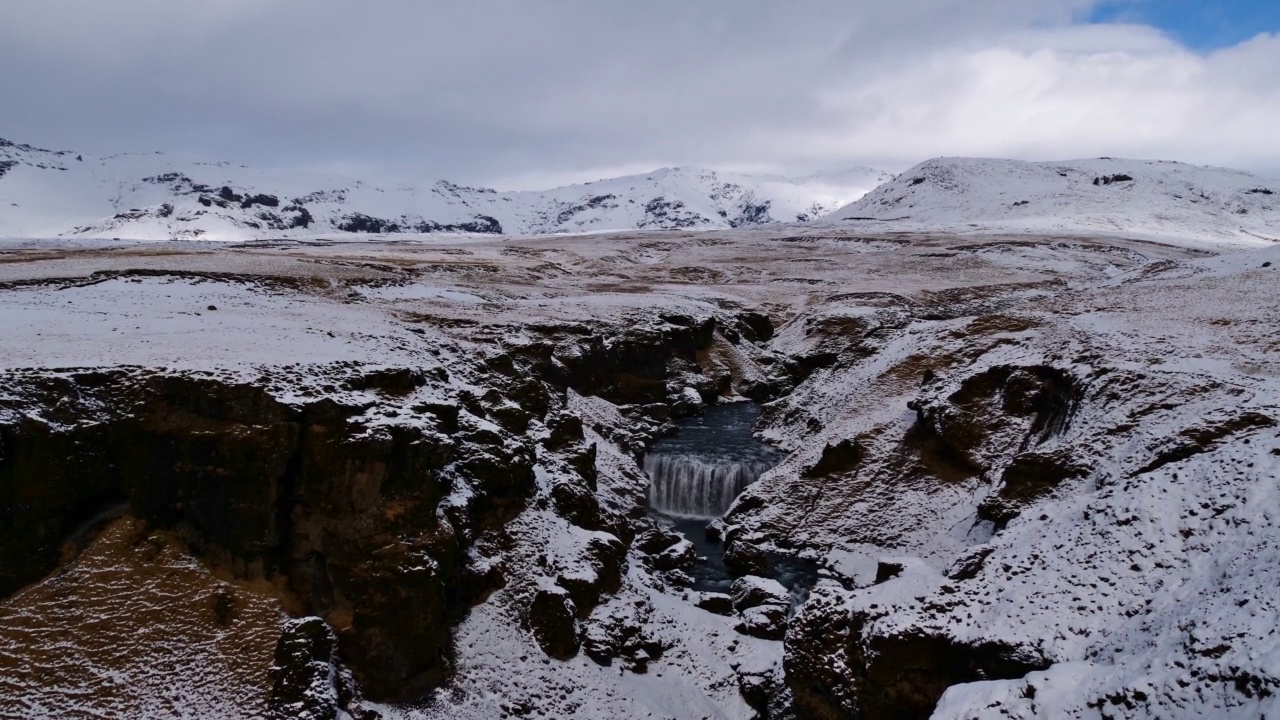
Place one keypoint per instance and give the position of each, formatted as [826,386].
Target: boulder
[750,591]
[677,557]
[656,540]
[743,558]
[767,622]
[553,620]
[302,676]
[599,575]
[686,403]
[714,602]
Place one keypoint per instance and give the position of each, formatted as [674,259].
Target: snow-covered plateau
[155,196]
[1168,201]
[1032,474]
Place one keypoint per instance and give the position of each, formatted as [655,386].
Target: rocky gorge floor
[1037,475]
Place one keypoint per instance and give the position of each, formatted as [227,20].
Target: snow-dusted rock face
[47,193]
[1171,201]
[1037,477]
[1079,497]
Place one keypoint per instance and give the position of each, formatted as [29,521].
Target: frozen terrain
[154,196]
[1036,472]
[1169,201]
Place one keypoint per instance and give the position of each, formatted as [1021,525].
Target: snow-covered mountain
[45,193]
[1138,198]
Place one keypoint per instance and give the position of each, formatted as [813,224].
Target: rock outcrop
[839,664]
[349,515]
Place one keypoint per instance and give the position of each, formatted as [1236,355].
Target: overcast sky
[530,93]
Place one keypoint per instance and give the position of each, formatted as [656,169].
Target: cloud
[1071,92]
[510,92]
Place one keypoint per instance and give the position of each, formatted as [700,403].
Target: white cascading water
[690,486]
[696,475]
[699,471]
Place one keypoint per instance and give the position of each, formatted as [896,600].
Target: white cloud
[510,92]
[1073,92]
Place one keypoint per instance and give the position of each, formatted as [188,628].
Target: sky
[519,95]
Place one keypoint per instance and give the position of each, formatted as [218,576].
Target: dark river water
[696,474]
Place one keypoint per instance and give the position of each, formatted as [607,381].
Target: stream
[697,473]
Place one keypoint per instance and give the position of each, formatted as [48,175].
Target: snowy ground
[1193,619]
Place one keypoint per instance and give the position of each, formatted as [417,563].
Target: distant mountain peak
[158,196]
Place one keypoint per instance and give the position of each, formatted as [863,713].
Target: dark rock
[604,559]
[620,636]
[751,214]
[394,381]
[265,200]
[968,565]
[1196,440]
[564,429]
[346,516]
[805,365]
[751,591]
[653,412]
[1030,477]
[1110,179]
[680,556]
[630,368]
[839,457]
[583,460]
[742,558]
[1007,405]
[591,203]
[714,602]
[302,676]
[446,415]
[224,608]
[767,622]
[553,619]
[302,218]
[755,326]
[886,571]
[575,502]
[513,418]
[686,404]
[758,689]
[837,666]
[714,531]
[656,540]
[361,223]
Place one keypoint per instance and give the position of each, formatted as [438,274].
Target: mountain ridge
[155,196]
[1155,199]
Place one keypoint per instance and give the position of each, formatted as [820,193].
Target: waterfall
[689,485]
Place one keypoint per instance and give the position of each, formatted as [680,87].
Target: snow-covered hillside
[1137,198]
[1027,477]
[154,196]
